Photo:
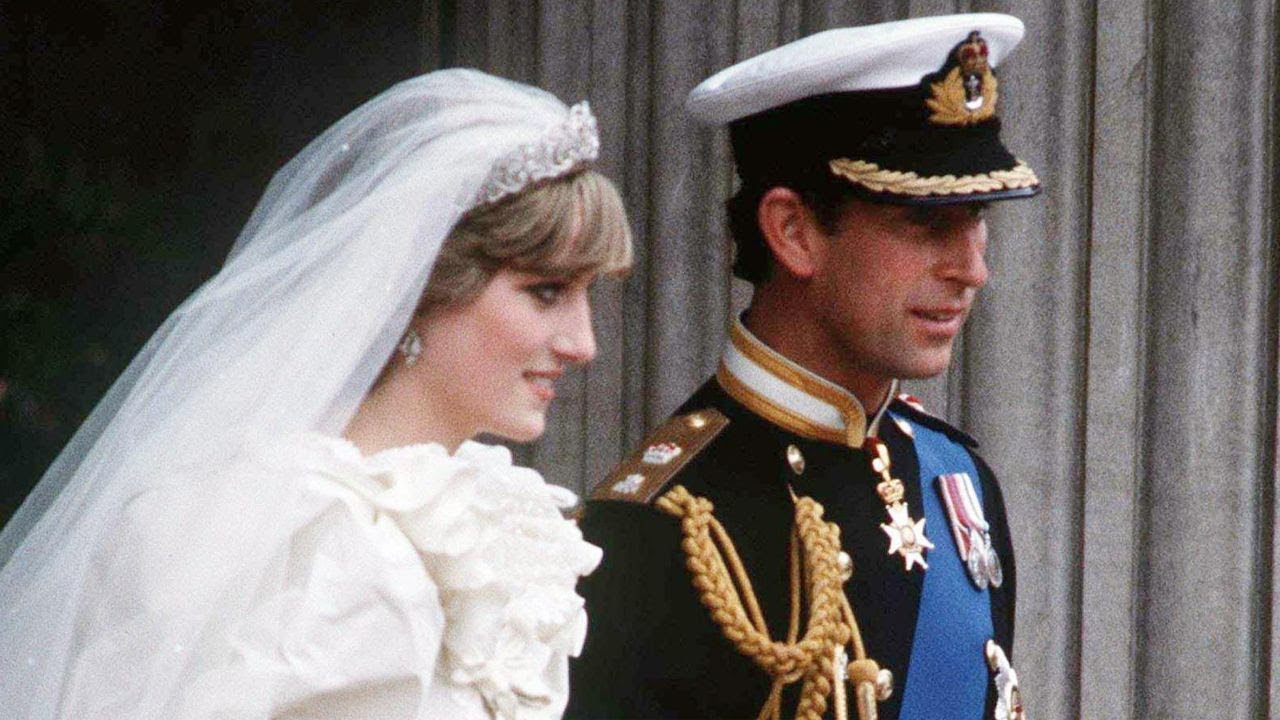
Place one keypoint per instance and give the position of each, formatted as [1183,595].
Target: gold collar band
[790,396]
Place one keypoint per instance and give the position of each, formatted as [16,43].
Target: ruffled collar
[503,557]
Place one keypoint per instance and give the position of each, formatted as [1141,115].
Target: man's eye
[939,219]
[922,215]
[546,293]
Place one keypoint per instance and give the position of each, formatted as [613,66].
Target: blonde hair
[561,228]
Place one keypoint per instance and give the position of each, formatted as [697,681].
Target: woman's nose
[575,342]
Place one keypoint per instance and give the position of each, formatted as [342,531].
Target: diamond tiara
[564,147]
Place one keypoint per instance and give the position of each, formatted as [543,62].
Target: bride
[277,510]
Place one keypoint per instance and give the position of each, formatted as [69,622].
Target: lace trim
[564,147]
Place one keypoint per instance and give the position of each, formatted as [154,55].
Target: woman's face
[492,364]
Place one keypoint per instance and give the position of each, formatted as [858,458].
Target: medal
[1008,694]
[975,560]
[992,564]
[906,536]
[970,529]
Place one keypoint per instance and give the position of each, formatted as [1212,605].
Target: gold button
[696,421]
[884,685]
[795,459]
[846,566]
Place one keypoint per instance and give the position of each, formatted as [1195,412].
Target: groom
[866,157]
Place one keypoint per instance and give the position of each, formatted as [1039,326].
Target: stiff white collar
[778,389]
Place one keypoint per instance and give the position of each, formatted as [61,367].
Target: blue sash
[947,677]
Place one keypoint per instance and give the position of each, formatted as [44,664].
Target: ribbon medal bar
[970,528]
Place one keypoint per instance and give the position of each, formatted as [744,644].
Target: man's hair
[560,228]
[753,261]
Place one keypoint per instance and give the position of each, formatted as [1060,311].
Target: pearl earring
[410,346]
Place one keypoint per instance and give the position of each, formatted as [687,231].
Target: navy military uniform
[899,113]
[653,651]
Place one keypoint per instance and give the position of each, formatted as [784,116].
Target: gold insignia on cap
[967,94]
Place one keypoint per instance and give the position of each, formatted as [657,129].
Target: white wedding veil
[286,338]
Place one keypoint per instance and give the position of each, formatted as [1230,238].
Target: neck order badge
[906,536]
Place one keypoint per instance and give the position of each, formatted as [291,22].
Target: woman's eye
[546,293]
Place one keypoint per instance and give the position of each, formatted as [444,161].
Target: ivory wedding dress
[407,584]
[205,548]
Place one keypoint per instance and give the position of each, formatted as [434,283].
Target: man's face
[894,286]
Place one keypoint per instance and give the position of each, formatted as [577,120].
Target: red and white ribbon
[963,508]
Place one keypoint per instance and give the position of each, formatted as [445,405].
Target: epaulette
[911,406]
[643,475]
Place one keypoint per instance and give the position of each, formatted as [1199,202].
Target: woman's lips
[543,383]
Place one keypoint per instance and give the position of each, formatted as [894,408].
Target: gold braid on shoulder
[819,659]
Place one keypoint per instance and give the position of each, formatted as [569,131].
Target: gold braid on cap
[877,179]
[819,658]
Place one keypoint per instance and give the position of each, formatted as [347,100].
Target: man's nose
[966,261]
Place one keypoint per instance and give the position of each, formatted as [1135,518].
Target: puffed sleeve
[315,582]
[255,596]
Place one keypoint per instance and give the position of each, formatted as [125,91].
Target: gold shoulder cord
[820,657]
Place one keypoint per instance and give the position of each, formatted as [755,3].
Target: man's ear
[792,233]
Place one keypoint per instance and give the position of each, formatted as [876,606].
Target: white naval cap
[870,57]
[901,112]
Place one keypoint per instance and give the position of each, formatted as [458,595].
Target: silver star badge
[906,536]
